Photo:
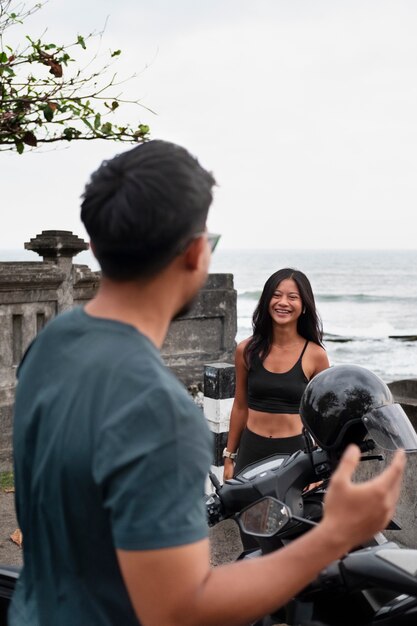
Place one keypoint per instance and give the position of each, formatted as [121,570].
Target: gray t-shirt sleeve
[152,458]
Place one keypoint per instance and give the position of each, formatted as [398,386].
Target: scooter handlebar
[386,567]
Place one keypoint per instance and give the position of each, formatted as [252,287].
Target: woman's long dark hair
[309,324]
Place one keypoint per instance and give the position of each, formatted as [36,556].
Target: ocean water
[365,299]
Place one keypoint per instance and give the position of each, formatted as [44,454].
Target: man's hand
[356,511]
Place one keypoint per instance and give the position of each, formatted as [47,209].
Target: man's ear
[194,253]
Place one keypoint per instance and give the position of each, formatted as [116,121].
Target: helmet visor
[390,428]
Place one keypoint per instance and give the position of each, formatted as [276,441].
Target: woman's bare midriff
[274,424]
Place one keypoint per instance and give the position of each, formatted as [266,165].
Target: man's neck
[140,304]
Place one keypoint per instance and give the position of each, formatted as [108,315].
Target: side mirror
[266,517]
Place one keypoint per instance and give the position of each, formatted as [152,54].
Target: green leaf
[48,113]
[71,133]
[106,129]
[68,133]
[144,129]
[116,53]
[3,57]
[20,146]
[113,106]
[81,41]
[6,69]
[87,123]
[97,121]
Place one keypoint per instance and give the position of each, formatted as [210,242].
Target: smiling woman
[273,367]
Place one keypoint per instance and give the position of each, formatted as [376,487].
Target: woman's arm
[316,360]
[239,413]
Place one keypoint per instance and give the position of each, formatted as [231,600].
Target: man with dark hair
[142,207]
[111,454]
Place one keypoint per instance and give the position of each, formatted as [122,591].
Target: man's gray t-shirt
[110,452]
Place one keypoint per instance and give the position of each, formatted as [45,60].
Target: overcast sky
[305,111]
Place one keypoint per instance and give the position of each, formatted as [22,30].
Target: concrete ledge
[405,392]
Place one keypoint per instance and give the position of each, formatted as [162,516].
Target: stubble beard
[189,305]
[186,308]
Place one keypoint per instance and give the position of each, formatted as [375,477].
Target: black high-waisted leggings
[253,447]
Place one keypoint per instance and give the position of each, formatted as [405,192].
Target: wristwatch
[229,455]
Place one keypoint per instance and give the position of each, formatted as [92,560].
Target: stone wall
[206,334]
[405,392]
[32,293]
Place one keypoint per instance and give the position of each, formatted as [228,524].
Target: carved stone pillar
[59,247]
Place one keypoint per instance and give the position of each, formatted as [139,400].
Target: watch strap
[229,455]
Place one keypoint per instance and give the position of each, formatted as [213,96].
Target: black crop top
[275,393]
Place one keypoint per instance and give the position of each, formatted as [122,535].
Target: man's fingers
[392,475]
[348,463]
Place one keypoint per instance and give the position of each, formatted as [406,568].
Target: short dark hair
[309,324]
[140,207]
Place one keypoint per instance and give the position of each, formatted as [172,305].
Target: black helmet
[345,402]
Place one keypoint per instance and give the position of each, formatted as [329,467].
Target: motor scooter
[375,584]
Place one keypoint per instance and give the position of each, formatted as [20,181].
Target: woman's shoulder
[242,344]
[317,356]
[314,348]
[240,351]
